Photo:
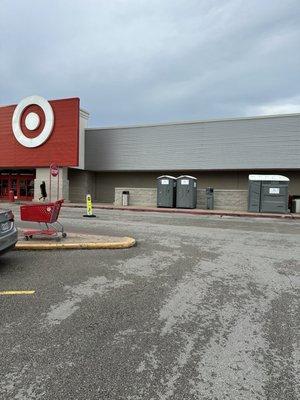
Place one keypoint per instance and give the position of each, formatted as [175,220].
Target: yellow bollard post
[89,207]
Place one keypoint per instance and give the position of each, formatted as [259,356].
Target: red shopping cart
[46,215]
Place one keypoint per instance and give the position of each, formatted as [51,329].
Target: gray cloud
[148,61]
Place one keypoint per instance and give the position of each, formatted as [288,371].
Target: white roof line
[277,178]
[166,176]
[187,176]
[193,122]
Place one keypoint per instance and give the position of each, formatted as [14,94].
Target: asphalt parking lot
[202,308]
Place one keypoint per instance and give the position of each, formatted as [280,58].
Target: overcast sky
[144,61]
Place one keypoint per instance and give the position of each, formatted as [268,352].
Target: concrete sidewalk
[195,211]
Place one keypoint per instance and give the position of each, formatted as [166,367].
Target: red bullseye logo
[33,121]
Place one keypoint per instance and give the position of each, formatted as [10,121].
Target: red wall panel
[62,147]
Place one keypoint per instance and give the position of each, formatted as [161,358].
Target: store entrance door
[21,184]
[4,187]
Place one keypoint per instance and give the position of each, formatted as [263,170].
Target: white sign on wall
[274,190]
[164,181]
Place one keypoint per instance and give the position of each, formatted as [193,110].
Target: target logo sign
[39,122]
[37,132]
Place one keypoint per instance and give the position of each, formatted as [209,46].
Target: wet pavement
[202,308]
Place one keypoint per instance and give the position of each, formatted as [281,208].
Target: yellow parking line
[16,292]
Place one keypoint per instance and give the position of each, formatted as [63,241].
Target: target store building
[36,133]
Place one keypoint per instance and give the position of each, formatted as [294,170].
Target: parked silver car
[8,231]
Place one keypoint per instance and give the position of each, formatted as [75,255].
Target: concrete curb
[195,211]
[126,243]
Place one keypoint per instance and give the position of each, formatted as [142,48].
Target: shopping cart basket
[46,215]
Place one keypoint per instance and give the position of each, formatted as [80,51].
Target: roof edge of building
[193,122]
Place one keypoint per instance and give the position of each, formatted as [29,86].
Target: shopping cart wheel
[64,235]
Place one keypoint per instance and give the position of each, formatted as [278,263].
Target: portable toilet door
[166,191]
[268,193]
[186,192]
[254,195]
[274,195]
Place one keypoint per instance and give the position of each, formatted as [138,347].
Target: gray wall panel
[254,143]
